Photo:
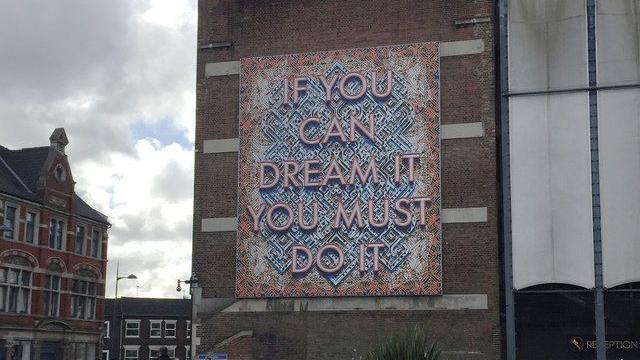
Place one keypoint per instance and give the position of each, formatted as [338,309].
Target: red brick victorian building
[52,258]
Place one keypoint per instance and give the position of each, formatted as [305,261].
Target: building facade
[52,258]
[570,119]
[140,327]
[414,79]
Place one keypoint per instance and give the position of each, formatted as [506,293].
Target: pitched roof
[10,183]
[149,307]
[26,163]
[19,174]
[83,209]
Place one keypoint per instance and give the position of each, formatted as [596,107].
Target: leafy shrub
[410,344]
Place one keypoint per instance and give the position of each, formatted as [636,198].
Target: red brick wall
[470,251]
[40,251]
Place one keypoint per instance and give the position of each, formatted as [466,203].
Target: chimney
[59,139]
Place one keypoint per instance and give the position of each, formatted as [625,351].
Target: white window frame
[16,221]
[106,352]
[99,252]
[170,348]
[63,234]
[126,328]
[107,324]
[36,227]
[175,328]
[7,285]
[188,330]
[90,299]
[151,323]
[135,348]
[49,291]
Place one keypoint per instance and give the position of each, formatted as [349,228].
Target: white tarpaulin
[552,227]
[618,41]
[619,140]
[547,45]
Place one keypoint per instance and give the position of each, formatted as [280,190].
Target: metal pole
[505,177]
[600,329]
[115,299]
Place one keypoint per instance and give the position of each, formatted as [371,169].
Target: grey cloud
[150,226]
[175,182]
[75,50]
[95,68]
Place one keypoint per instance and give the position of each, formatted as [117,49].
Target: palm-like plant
[410,344]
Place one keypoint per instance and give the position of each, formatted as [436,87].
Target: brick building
[464,314]
[141,327]
[52,260]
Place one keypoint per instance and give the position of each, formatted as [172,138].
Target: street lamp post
[193,283]
[115,299]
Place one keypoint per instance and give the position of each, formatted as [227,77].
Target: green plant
[410,344]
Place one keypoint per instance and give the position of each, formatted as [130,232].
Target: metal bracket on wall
[216,45]
[471,21]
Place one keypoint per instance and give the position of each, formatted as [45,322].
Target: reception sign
[339,174]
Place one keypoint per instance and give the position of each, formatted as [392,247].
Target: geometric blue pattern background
[394,119]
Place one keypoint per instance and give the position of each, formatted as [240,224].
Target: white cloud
[151,225]
[100,69]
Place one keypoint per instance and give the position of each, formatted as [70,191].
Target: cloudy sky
[119,76]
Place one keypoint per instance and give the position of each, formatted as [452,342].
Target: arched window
[52,290]
[83,295]
[15,285]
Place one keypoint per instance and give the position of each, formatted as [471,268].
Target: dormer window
[59,173]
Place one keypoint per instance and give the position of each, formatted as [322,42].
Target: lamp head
[178,288]
[132,277]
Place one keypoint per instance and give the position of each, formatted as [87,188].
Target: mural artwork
[339,174]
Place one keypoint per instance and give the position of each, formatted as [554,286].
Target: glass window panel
[95,244]
[26,278]
[52,233]
[622,306]
[10,220]
[554,326]
[74,306]
[131,354]
[60,229]
[13,276]
[3,297]
[91,351]
[79,240]
[3,275]
[30,223]
[170,329]
[91,304]
[81,352]
[13,299]
[54,304]
[156,329]
[24,300]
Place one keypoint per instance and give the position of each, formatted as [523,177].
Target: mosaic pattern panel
[374,110]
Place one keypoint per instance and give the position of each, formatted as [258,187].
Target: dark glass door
[51,351]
